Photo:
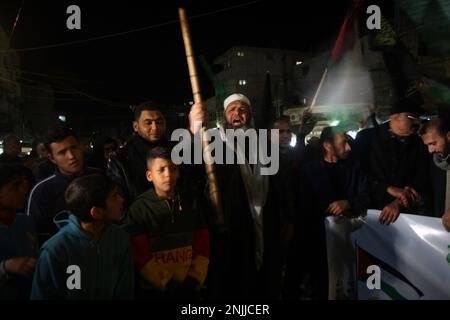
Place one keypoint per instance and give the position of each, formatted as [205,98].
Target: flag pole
[209,167]
[322,80]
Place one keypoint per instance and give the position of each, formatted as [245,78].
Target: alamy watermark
[374,21]
[373,282]
[74,279]
[225,144]
[74,20]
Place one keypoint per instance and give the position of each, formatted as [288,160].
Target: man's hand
[197,117]
[412,194]
[400,194]
[446,220]
[390,213]
[406,196]
[22,266]
[308,122]
[338,208]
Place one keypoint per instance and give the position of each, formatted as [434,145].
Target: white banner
[409,259]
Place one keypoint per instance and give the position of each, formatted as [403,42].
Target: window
[242,82]
[240,53]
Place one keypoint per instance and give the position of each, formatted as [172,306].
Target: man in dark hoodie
[90,257]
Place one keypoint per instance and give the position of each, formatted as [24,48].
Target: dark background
[150,64]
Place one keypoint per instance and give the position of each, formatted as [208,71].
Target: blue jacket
[46,200]
[106,266]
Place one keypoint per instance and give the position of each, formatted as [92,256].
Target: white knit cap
[235,97]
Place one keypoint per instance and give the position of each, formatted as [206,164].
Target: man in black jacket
[127,166]
[396,163]
[334,186]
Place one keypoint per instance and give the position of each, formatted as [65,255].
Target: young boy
[90,257]
[18,243]
[169,240]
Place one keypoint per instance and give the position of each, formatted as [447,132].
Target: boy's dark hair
[9,171]
[87,192]
[158,152]
[146,106]
[57,135]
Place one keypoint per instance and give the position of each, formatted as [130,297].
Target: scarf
[443,164]
[256,187]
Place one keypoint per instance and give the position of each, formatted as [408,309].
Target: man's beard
[229,126]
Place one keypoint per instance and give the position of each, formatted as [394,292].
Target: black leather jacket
[127,167]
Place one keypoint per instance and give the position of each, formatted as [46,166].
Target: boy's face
[113,210]
[164,175]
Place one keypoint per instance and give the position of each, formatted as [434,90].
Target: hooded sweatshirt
[74,266]
[169,240]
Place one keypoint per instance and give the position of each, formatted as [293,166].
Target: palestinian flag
[348,35]
[343,71]
[394,285]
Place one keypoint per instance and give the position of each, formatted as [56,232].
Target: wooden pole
[210,172]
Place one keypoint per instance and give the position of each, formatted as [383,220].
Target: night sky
[150,64]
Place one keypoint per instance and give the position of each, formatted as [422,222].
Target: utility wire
[112,35]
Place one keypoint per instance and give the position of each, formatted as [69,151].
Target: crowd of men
[124,223]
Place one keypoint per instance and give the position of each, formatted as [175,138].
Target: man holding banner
[436,136]
[331,186]
[398,164]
